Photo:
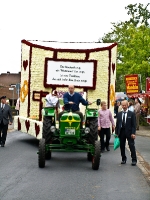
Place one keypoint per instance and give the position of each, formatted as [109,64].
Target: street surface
[67,176]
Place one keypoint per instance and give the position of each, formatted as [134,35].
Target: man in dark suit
[5,119]
[126,129]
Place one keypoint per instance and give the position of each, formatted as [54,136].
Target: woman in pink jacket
[104,120]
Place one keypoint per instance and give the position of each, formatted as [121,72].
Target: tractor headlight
[87,130]
[52,129]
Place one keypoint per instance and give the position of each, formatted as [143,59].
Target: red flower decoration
[113,67]
[27,123]
[25,64]
[19,124]
[37,129]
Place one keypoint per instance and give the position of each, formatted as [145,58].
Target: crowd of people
[127,122]
[133,106]
[127,115]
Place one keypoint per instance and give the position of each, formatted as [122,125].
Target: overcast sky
[54,20]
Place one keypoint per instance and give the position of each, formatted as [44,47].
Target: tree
[139,14]
[133,39]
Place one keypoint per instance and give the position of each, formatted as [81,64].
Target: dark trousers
[104,131]
[3,132]
[78,112]
[131,144]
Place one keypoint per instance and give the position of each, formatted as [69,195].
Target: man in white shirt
[126,129]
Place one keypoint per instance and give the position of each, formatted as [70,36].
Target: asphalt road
[67,176]
[143,146]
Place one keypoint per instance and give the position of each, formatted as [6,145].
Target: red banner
[132,84]
[148,84]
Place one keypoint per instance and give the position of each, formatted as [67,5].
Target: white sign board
[68,72]
[11,88]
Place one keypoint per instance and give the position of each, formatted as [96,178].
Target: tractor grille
[70,117]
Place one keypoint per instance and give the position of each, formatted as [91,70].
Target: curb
[143,135]
[143,166]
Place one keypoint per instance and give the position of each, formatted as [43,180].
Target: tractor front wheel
[96,156]
[42,153]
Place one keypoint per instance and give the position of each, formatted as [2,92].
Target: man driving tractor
[72,100]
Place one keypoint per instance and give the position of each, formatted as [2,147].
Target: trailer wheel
[42,153]
[96,157]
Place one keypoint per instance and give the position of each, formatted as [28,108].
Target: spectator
[120,107]
[131,107]
[7,101]
[137,112]
[104,119]
[5,119]
[126,129]
[17,106]
[116,109]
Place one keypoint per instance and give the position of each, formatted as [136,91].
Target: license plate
[69,131]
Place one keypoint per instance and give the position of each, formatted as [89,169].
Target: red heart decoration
[27,123]
[19,124]
[113,67]
[37,129]
[25,64]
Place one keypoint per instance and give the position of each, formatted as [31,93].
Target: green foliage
[133,39]
[12,107]
[138,14]
[61,101]
[143,121]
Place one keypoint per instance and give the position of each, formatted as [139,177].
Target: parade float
[47,66]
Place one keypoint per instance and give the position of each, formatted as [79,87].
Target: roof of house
[6,81]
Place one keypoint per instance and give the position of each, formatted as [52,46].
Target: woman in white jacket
[52,100]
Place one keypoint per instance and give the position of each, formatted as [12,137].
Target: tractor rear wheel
[47,123]
[93,125]
[96,156]
[89,156]
[42,153]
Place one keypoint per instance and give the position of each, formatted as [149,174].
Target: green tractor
[69,137]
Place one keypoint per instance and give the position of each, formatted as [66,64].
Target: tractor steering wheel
[70,105]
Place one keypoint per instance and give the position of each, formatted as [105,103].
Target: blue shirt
[76,98]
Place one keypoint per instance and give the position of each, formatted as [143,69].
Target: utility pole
[13,98]
[11,88]
[18,89]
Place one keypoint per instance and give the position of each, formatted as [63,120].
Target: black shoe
[2,145]
[124,161]
[133,163]
[107,148]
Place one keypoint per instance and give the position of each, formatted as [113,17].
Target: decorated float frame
[94,77]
